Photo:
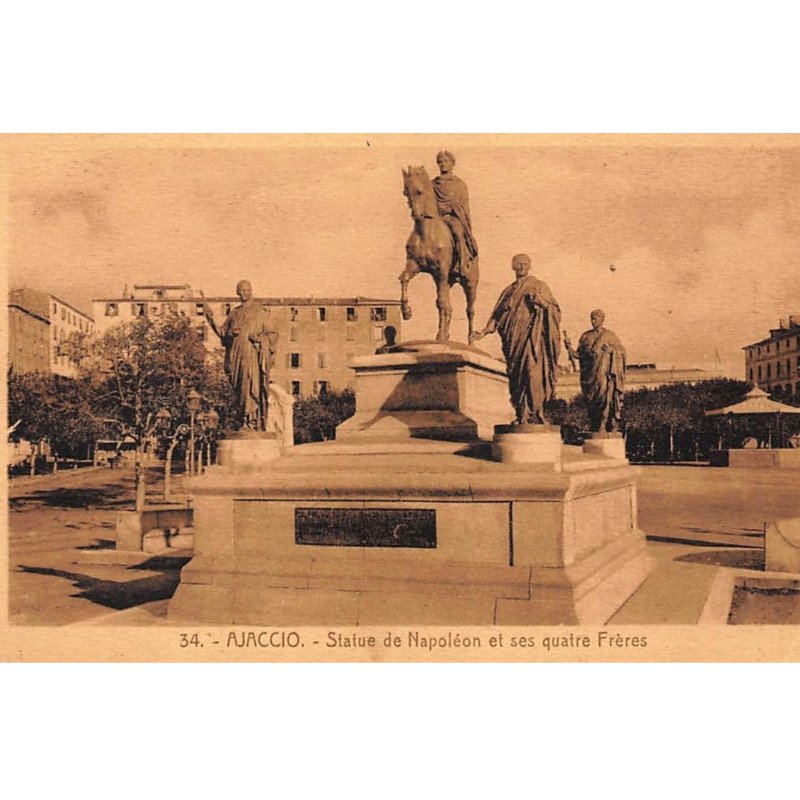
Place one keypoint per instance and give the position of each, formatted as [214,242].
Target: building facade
[317,336]
[774,362]
[28,333]
[40,327]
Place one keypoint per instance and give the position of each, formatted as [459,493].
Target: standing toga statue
[250,345]
[527,317]
[452,200]
[602,360]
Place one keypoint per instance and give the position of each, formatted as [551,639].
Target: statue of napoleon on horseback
[442,243]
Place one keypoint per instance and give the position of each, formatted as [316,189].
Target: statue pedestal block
[608,445]
[411,534]
[427,390]
[527,444]
[246,451]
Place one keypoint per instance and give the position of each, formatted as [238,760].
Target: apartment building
[774,362]
[40,325]
[317,335]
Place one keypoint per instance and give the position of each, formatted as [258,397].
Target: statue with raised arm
[602,361]
[250,344]
[528,319]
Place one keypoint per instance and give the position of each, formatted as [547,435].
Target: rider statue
[452,198]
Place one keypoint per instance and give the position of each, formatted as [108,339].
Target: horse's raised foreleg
[411,271]
[443,304]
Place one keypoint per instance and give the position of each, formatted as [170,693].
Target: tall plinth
[427,390]
[417,527]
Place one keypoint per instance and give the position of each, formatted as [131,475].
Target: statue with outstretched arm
[250,344]
[527,318]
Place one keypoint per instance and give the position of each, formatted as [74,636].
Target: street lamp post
[200,440]
[180,433]
[212,424]
[193,404]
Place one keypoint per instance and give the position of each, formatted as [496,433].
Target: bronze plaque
[366,527]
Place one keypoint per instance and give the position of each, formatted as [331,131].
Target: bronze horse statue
[431,249]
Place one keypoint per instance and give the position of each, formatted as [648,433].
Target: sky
[691,245]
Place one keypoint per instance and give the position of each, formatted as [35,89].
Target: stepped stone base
[450,540]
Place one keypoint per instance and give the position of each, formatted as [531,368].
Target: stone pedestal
[332,537]
[527,444]
[782,545]
[155,528]
[429,390]
[755,458]
[248,451]
[407,519]
[607,445]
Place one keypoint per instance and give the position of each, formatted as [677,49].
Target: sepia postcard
[435,397]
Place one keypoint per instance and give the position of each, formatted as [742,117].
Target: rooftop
[271,301]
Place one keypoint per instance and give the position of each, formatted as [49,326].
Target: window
[321,387]
[198,309]
[778,370]
[296,388]
[321,360]
[352,314]
[63,314]
[55,334]
[322,314]
[759,373]
[293,314]
[294,360]
[769,371]
[750,372]
[55,309]
[377,333]
[138,309]
[158,294]
[378,314]
[351,334]
[321,333]
[293,333]
[202,333]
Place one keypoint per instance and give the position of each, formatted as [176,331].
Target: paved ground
[56,521]
[698,519]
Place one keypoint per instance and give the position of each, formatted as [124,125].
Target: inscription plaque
[366,527]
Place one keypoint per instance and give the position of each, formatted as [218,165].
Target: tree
[53,409]
[139,367]
[572,415]
[142,366]
[316,417]
[669,423]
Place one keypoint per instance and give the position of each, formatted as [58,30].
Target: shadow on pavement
[99,544]
[757,533]
[120,595]
[741,558]
[115,495]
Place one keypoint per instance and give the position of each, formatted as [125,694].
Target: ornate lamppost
[212,427]
[163,420]
[206,429]
[193,402]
